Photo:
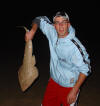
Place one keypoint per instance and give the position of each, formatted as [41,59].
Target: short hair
[61,14]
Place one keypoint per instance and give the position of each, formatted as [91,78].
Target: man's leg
[50,96]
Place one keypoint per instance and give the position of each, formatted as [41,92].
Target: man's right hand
[30,34]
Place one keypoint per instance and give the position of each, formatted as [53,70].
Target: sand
[11,94]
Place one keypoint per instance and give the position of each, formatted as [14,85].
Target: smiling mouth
[61,30]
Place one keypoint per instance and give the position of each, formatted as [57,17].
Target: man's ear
[54,25]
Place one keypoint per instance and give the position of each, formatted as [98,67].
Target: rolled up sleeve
[78,61]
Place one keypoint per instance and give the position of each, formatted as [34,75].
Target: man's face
[61,25]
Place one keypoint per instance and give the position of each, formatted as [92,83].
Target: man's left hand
[72,96]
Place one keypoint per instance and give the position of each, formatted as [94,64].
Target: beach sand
[11,94]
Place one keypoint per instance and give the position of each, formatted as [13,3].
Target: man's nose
[61,24]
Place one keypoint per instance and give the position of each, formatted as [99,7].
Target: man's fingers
[27,36]
[71,99]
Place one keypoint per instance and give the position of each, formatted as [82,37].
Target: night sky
[83,17]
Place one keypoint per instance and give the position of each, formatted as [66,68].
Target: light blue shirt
[66,61]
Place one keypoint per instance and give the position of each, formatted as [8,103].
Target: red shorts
[55,95]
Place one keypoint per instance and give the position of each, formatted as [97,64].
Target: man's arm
[29,35]
[73,93]
[79,82]
[45,26]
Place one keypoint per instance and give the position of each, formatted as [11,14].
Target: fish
[28,72]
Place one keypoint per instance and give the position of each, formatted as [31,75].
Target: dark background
[84,17]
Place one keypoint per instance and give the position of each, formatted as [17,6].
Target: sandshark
[27,72]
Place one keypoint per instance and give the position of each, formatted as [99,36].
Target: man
[69,63]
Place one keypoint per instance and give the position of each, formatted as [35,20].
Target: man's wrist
[75,89]
[33,29]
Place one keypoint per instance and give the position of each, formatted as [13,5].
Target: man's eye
[56,22]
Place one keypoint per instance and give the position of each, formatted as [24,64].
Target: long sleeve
[45,25]
[80,60]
